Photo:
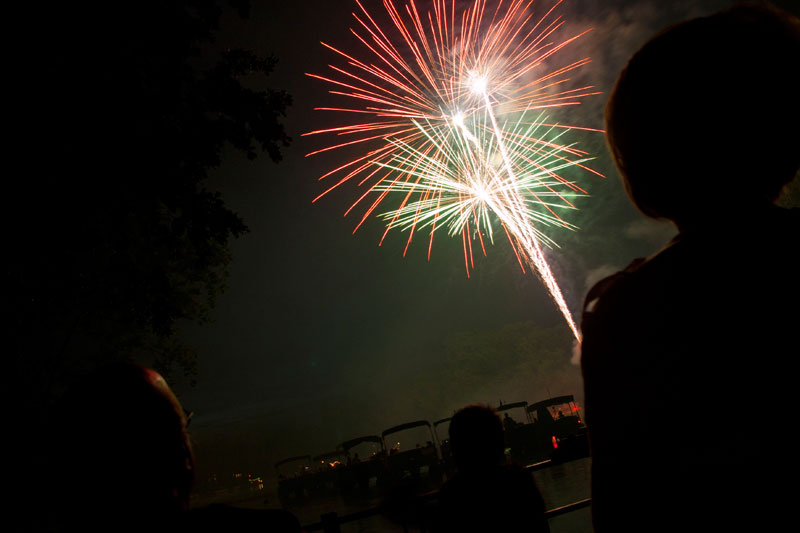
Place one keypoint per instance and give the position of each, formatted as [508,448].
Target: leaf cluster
[126,107]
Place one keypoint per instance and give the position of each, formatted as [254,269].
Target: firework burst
[450,106]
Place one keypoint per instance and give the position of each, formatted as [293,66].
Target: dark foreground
[560,484]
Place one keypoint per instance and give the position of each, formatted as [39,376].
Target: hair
[124,446]
[705,113]
[476,437]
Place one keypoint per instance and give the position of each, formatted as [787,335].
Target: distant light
[555,442]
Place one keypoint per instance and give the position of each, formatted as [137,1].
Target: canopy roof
[407,425]
[290,459]
[442,421]
[352,443]
[557,400]
[329,455]
[514,405]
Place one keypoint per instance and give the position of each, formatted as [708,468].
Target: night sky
[323,335]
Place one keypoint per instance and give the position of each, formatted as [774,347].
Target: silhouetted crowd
[126,462]
[125,457]
[687,355]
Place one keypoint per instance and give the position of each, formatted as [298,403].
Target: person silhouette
[123,454]
[126,464]
[486,493]
[704,134]
[508,422]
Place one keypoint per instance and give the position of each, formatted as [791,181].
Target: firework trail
[448,110]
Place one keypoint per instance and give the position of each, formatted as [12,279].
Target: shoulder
[615,310]
[609,289]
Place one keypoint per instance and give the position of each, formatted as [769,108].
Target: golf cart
[416,460]
[294,476]
[366,460]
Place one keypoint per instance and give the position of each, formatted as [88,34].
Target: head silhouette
[476,438]
[125,452]
[702,120]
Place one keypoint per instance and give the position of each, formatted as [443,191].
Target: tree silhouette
[127,106]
